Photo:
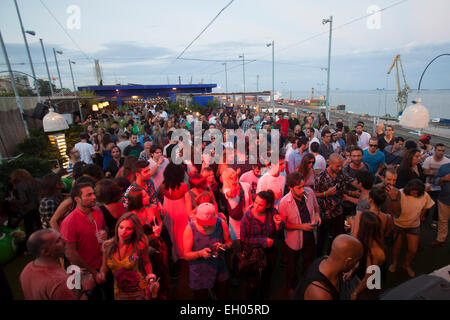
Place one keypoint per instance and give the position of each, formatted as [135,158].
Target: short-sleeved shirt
[149,188]
[326,151]
[373,160]
[45,283]
[158,176]
[431,163]
[269,182]
[250,178]
[363,140]
[411,209]
[321,163]
[133,150]
[444,195]
[86,151]
[47,208]
[77,228]
[331,206]
[294,160]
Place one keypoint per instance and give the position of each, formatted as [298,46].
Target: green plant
[213,104]
[123,108]
[88,94]
[38,145]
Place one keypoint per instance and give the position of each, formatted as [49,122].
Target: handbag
[253,260]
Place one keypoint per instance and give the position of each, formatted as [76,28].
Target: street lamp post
[57,68]
[324,21]
[48,71]
[243,73]
[28,49]
[75,89]
[13,83]
[272,44]
[226,80]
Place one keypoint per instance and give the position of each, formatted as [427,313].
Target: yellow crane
[402,94]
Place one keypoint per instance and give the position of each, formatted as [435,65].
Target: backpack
[238,211]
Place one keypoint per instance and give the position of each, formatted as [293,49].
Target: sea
[381,102]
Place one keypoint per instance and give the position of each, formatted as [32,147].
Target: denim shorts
[401,230]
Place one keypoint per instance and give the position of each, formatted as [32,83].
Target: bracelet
[324,194]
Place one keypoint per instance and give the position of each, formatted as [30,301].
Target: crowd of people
[141,226]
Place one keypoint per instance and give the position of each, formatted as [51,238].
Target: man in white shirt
[252,177]
[157,164]
[311,134]
[86,150]
[164,115]
[432,164]
[290,147]
[272,180]
[363,137]
[321,163]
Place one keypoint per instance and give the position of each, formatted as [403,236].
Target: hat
[425,139]
[206,214]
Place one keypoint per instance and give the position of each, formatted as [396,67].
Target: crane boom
[402,94]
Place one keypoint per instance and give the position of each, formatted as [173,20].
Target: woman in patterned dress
[126,255]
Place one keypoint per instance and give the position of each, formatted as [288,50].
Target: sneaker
[436,244]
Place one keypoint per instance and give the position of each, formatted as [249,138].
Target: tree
[22,93]
[44,87]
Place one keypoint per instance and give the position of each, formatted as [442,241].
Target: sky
[138,41]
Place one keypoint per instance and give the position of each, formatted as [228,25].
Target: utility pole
[243,74]
[226,80]
[272,44]
[48,71]
[13,83]
[57,68]
[75,89]
[324,21]
[36,85]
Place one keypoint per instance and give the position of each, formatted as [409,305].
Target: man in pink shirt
[83,231]
[43,278]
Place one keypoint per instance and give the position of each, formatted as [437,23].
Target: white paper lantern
[415,116]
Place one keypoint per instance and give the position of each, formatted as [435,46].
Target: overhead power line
[326,32]
[65,31]
[204,29]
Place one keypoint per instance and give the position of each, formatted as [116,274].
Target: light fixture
[100,106]
[416,115]
[94,107]
[174,88]
[54,124]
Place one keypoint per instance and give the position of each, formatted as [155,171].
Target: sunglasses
[373,145]
[311,161]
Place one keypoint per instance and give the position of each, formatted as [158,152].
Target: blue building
[121,93]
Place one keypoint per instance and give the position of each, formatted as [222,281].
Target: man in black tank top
[324,278]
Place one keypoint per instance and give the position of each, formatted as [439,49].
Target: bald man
[324,278]
[379,131]
[43,278]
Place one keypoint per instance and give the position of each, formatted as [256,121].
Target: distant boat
[441,121]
